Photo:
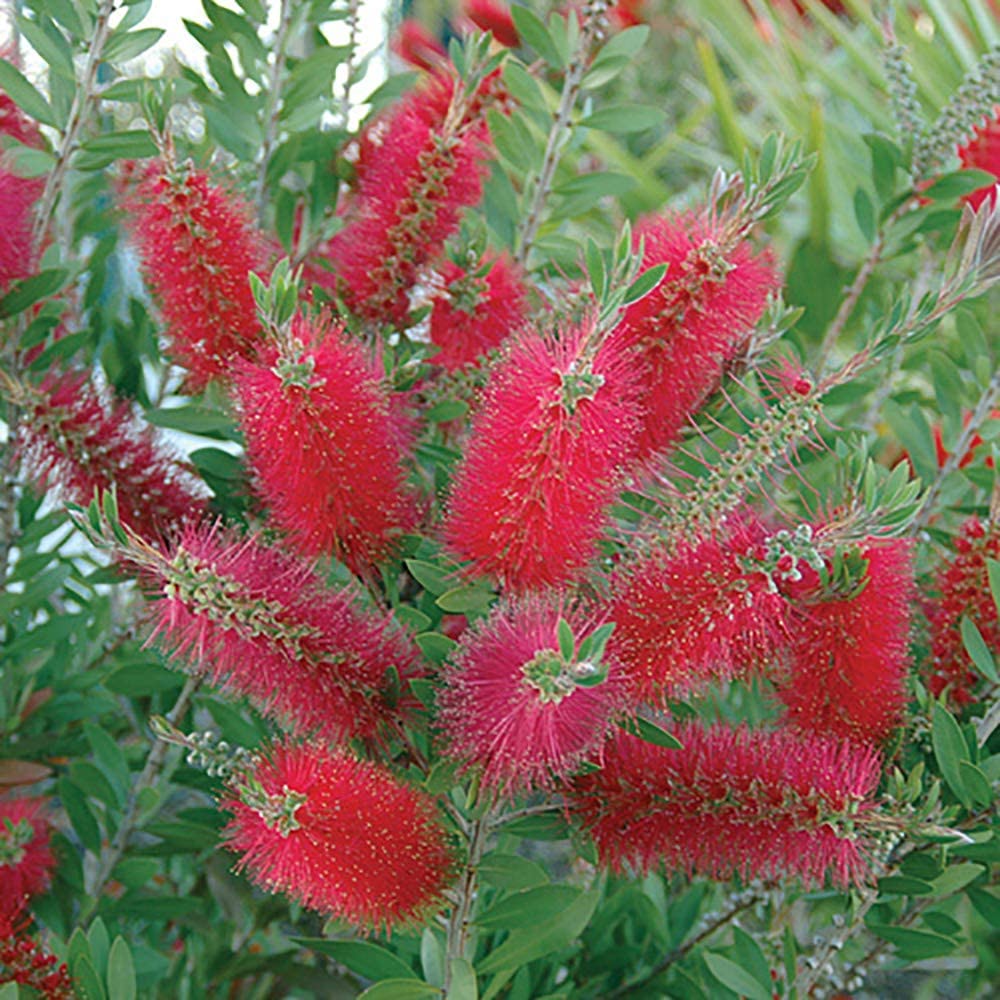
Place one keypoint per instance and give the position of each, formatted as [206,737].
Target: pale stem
[148,777]
[465,896]
[593,24]
[979,416]
[272,109]
[353,8]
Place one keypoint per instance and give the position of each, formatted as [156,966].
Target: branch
[593,24]
[272,108]
[465,895]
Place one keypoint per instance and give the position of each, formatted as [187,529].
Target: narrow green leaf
[511,871]
[80,816]
[914,944]
[25,96]
[25,294]
[650,732]
[567,644]
[976,784]
[864,213]
[121,972]
[993,571]
[9,991]
[622,118]
[400,989]
[735,978]
[368,960]
[465,599]
[527,908]
[949,749]
[87,982]
[463,981]
[645,283]
[955,185]
[434,579]
[903,885]
[986,904]
[535,34]
[956,877]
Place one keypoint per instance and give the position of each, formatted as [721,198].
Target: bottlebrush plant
[528,530]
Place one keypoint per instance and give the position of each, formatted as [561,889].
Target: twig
[979,415]
[154,764]
[857,286]
[84,97]
[272,108]
[593,25]
[465,895]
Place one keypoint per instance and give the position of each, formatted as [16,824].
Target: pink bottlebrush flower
[707,610]
[416,46]
[627,13]
[18,197]
[963,591]
[75,440]
[327,446]
[198,249]
[263,625]
[510,702]
[695,320]
[341,836]
[755,804]
[493,16]
[26,860]
[422,166]
[545,458]
[982,152]
[849,654]
[476,312]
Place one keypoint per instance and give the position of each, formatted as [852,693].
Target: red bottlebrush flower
[264,626]
[26,860]
[982,152]
[18,197]
[494,17]
[422,166]
[707,610]
[198,250]
[326,446]
[511,703]
[942,454]
[24,961]
[696,319]
[732,802]
[477,312]
[963,590]
[75,440]
[416,46]
[544,460]
[849,654]
[627,13]
[342,836]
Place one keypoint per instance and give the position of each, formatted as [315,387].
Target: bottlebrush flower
[849,654]
[416,46]
[18,197]
[982,152]
[423,165]
[24,961]
[963,590]
[695,319]
[511,702]
[494,17]
[26,860]
[262,625]
[731,802]
[476,311]
[326,446]
[709,609]
[341,836]
[544,460]
[75,440]
[198,250]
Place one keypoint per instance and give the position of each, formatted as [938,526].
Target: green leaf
[547,826]
[50,45]
[567,644]
[914,944]
[526,944]
[121,971]
[864,213]
[751,958]
[434,579]
[976,784]
[582,193]
[735,978]
[977,649]
[368,960]
[9,991]
[957,877]
[122,47]
[527,908]
[193,419]
[435,646]
[535,34]
[463,981]
[99,941]
[24,294]
[903,885]
[103,150]
[88,983]
[987,906]
[955,185]
[400,989]
[650,732]
[623,118]
[949,749]
[80,816]
[993,571]
[645,283]
[25,96]
[467,598]
[511,871]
